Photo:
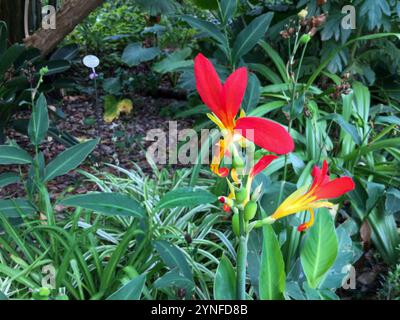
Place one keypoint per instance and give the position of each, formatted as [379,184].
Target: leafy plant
[19,71]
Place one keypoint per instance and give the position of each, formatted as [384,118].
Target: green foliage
[19,71]
[225,281]
[320,249]
[272,267]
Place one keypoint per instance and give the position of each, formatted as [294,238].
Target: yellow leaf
[125,106]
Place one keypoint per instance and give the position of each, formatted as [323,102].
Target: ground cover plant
[203,150]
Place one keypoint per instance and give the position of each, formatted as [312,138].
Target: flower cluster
[239,131]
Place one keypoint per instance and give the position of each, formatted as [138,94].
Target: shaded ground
[122,142]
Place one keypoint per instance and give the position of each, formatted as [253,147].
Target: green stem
[241,260]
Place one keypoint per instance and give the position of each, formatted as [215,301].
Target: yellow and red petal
[209,86]
[308,224]
[233,92]
[334,188]
[266,134]
[262,164]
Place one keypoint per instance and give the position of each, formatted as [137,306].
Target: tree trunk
[71,14]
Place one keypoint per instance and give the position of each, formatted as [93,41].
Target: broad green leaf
[228,9]
[8,178]
[320,248]
[392,204]
[14,155]
[69,159]
[186,197]
[39,122]
[110,204]
[15,208]
[130,291]
[174,279]
[174,61]
[249,37]
[134,54]
[272,269]
[225,281]
[9,57]
[210,29]
[173,257]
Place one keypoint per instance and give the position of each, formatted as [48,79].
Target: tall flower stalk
[238,132]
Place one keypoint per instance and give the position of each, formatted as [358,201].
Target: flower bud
[305,38]
[241,195]
[250,210]
[235,224]
[257,193]
[238,162]
[303,14]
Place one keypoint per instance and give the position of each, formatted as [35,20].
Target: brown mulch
[122,141]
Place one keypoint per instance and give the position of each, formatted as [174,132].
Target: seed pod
[241,195]
[235,224]
[250,210]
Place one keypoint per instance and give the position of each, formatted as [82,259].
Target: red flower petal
[209,86]
[233,93]
[320,175]
[262,164]
[335,188]
[266,134]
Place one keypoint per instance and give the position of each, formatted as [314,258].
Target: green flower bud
[235,224]
[305,38]
[250,210]
[241,195]
[238,162]
[44,292]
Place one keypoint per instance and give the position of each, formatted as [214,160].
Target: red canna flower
[225,100]
[314,197]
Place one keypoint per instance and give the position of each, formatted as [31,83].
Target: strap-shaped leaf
[14,155]
[69,159]
[320,248]
[8,178]
[15,208]
[186,197]
[110,204]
